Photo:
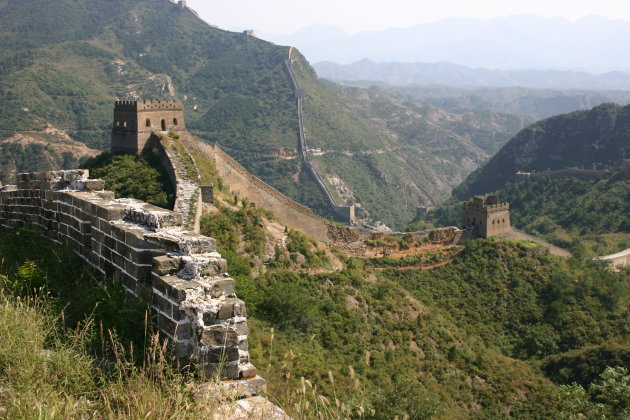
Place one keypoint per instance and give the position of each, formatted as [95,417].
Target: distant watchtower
[486,216]
[136,121]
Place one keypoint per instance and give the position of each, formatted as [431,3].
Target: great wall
[164,263]
[344,213]
[159,262]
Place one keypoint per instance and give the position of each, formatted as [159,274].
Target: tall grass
[47,371]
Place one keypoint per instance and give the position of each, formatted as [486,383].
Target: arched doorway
[163,125]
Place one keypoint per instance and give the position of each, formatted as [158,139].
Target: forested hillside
[462,341]
[63,63]
[594,139]
[589,217]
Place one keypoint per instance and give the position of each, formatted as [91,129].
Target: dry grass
[46,372]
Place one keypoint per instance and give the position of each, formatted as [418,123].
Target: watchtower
[136,121]
[486,216]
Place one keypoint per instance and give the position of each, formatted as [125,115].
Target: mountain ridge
[449,74]
[590,139]
[517,41]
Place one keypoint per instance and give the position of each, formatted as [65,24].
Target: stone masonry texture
[178,273]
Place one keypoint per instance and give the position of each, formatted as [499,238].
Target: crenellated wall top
[149,105]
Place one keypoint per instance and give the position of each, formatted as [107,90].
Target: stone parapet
[178,273]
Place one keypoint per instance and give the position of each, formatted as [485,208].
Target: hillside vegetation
[378,149]
[593,139]
[65,62]
[460,341]
[141,177]
[589,217]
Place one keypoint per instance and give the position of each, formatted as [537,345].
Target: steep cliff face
[597,138]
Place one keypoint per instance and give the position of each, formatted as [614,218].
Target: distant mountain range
[515,42]
[456,75]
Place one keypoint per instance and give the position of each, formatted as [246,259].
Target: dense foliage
[141,177]
[463,326]
[17,158]
[590,217]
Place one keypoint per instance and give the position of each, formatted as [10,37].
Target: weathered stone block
[219,335]
[163,305]
[220,287]
[247,371]
[243,345]
[93,185]
[232,307]
[218,355]
[164,265]
[183,348]
[246,387]
[220,370]
[242,328]
[174,329]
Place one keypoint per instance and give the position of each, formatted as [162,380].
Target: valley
[198,223]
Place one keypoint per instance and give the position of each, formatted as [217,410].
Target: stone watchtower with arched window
[484,217]
[136,121]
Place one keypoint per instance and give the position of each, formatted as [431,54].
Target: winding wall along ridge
[345,213]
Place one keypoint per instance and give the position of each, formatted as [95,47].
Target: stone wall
[343,213]
[294,215]
[562,173]
[617,260]
[176,272]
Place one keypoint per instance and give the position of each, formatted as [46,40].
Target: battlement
[149,105]
[489,203]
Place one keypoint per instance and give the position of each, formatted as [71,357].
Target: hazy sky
[286,16]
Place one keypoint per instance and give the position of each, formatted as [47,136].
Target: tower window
[148,122]
[124,124]
[117,123]
[163,125]
[174,121]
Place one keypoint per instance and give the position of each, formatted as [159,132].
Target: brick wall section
[176,272]
[294,215]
